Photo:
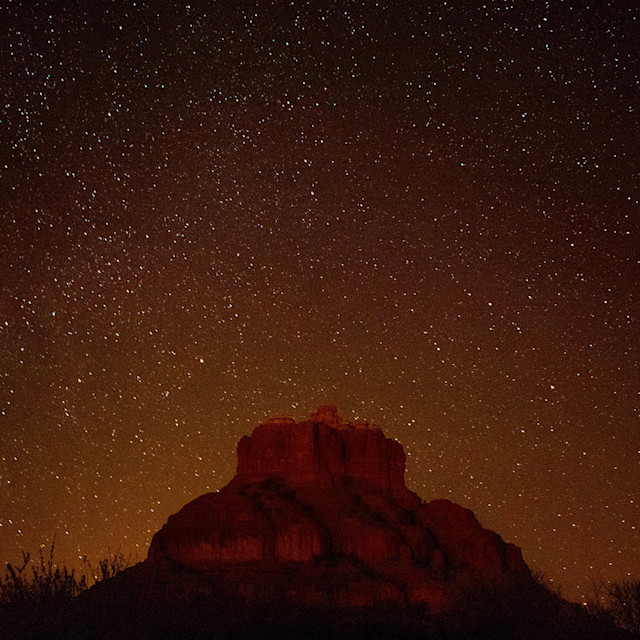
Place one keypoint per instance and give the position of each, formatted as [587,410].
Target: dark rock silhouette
[318,514]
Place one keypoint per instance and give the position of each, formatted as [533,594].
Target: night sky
[423,212]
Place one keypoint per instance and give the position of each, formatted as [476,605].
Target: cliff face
[318,513]
[322,452]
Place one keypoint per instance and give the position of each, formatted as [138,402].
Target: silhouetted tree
[620,602]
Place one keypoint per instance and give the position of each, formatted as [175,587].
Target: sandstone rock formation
[318,514]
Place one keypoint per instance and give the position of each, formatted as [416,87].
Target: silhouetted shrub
[619,602]
[516,607]
[35,596]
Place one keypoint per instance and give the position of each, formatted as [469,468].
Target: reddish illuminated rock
[318,514]
[320,452]
[465,543]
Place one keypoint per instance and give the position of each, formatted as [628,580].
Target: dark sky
[423,212]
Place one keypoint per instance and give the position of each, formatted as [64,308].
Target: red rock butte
[318,514]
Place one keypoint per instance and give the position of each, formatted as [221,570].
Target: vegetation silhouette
[42,600]
[37,595]
[618,602]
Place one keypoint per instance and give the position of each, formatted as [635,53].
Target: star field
[425,213]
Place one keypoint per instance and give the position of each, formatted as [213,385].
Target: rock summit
[318,514]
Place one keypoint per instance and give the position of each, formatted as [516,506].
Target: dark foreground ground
[507,610]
